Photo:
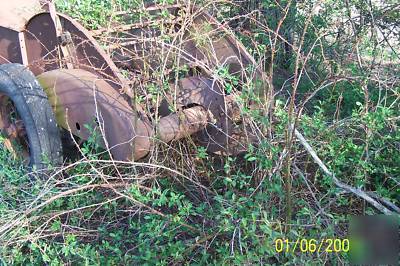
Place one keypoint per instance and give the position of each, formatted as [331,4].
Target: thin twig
[358,192]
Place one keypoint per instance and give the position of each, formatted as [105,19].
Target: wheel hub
[221,135]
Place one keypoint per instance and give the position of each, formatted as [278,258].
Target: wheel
[27,121]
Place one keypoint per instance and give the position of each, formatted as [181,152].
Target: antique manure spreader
[56,75]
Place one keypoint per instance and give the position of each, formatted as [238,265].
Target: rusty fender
[80,98]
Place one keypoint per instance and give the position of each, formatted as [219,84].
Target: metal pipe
[182,124]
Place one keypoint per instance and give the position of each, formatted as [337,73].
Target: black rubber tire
[31,102]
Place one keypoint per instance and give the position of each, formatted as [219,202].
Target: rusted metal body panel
[90,55]
[205,43]
[30,18]
[15,14]
[80,99]
[43,52]
[9,46]
[220,49]
[206,92]
[85,85]
[200,43]
[41,44]
[82,102]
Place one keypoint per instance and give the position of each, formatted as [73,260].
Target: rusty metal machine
[56,74]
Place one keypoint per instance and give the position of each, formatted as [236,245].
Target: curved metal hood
[15,14]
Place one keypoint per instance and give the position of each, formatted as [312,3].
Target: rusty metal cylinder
[182,124]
